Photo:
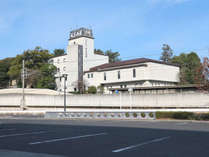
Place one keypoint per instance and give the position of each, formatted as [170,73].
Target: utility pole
[65,79]
[23,86]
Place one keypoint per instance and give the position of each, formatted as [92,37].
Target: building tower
[80,57]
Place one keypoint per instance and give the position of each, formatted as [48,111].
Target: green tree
[34,60]
[47,79]
[167,53]
[113,56]
[190,65]
[4,68]
[58,52]
[99,52]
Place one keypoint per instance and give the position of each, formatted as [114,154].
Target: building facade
[141,72]
[81,64]
[80,57]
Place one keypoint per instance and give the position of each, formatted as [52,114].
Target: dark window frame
[118,75]
[105,76]
[134,73]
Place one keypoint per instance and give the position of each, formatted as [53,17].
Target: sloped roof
[127,62]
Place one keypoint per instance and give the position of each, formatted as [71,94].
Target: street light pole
[65,79]
[23,85]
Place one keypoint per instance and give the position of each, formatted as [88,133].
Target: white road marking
[141,144]
[68,138]
[27,133]
[184,123]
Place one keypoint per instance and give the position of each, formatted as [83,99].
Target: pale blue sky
[135,28]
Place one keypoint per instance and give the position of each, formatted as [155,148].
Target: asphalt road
[99,138]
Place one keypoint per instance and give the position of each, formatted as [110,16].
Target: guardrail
[102,115]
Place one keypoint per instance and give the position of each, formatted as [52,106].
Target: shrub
[204,116]
[151,114]
[127,114]
[92,90]
[176,115]
[143,115]
[183,115]
[135,115]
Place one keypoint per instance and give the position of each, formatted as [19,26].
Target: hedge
[182,115]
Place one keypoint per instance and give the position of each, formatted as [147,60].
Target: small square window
[92,75]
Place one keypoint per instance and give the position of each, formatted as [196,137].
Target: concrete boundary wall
[185,100]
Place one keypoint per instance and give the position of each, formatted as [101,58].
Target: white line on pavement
[27,133]
[68,138]
[141,144]
[184,123]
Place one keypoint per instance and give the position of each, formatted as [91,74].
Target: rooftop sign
[81,32]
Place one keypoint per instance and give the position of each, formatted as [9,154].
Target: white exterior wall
[71,61]
[154,74]
[89,58]
[162,72]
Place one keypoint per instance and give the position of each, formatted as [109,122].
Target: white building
[139,72]
[82,65]
[80,57]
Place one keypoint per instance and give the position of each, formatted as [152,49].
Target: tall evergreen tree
[167,53]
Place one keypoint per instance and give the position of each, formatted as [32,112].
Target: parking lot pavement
[103,138]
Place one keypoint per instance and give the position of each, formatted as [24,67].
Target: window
[88,75]
[58,61]
[118,74]
[121,86]
[105,77]
[134,73]
[64,59]
[92,75]
[58,70]
[64,68]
